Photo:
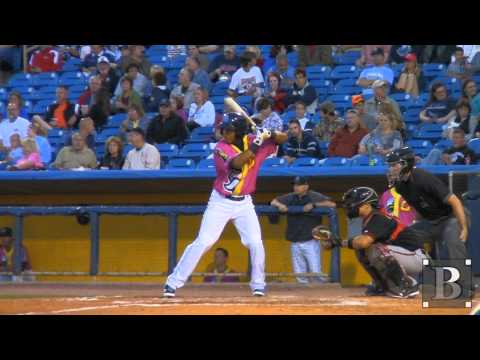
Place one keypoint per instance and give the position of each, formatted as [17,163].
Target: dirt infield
[224,299]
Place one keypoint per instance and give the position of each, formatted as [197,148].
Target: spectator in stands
[306,254]
[113,158]
[300,143]
[31,157]
[346,140]
[440,108]
[368,54]
[136,56]
[159,92]
[167,127]
[266,118]
[314,55]
[399,124]
[107,75]
[460,67]
[275,92]
[7,252]
[440,54]
[143,156]
[383,139]
[286,72]
[469,92]
[368,121]
[224,66]
[258,59]
[302,90]
[136,118]
[202,111]
[300,115]
[411,78]
[248,80]
[89,64]
[380,90]
[61,114]
[139,80]
[39,133]
[86,129]
[45,59]
[220,266]
[280,49]
[458,154]
[379,71]
[99,110]
[176,103]
[127,97]
[193,51]
[14,124]
[200,76]
[88,96]
[185,88]
[76,156]
[463,120]
[16,97]
[174,51]
[330,122]
[15,152]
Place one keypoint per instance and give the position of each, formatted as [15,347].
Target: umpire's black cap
[6,231]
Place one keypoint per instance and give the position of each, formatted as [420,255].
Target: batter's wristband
[254,148]
[350,243]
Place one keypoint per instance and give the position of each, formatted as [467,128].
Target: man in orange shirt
[61,114]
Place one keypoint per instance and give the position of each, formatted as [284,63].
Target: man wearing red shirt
[46,59]
[346,139]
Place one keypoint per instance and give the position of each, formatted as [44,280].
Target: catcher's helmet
[404,156]
[235,122]
[356,197]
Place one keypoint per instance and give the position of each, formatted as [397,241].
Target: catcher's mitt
[325,236]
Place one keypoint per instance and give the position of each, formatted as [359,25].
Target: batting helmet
[235,122]
[356,197]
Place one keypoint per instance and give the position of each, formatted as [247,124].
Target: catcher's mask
[403,156]
[356,197]
[235,122]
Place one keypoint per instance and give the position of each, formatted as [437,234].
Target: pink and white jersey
[394,204]
[239,182]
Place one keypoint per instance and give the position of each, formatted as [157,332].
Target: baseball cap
[103,59]
[379,83]
[410,57]
[5,231]
[357,99]
[300,180]
[164,102]
[377,51]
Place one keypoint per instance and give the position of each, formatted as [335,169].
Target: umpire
[443,215]
[305,251]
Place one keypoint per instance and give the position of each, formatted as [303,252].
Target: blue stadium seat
[335,161]
[158,59]
[176,164]
[100,149]
[348,58]
[72,82]
[127,148]
[420,147]
[364,160]
[20,79]
[474,144]
[304,162]
[78,88]
[422,99]
[341,100]
[194,150]
[433,70]
[323,145]
[2,107]
[45,79]
[206,164]
[106,133]
[220,88]
[428,132]
[411,116]
[116,120]
[167,150]
[403,99]
[41,106]
[245,100]
[348,90]
[274,163]
[3,94]
[443,144]
[202,135]
[55,133]
[47,90]
[23,90]
[320,83]
[318,72]
[344,72]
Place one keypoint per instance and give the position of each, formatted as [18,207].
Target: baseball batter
[238,157]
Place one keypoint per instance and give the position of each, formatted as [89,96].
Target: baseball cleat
[373,290]
[258,292]
[168,292]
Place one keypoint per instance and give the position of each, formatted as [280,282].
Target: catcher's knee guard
[390,270]
[376,277]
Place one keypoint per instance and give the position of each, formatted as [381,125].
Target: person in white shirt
[143,156]
[248,80]
[202,111]
[13,125]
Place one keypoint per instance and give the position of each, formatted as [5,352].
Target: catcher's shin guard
[379,284]
[392,273]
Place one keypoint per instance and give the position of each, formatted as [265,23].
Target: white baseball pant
[219,212]
[306,257]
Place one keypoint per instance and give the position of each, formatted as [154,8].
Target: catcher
[390,252]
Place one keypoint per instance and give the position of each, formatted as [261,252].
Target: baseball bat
[237,108]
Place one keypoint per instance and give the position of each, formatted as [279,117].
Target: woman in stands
[38,132]
[464,120]
[399,124]
[411,79]
[202,111]
[259,60]
[276,94]
[31,157]
[469,92]
[127,97]
[383,139]
[440,108]
[136,118]
[16,97]
[113,159]
[100,110]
